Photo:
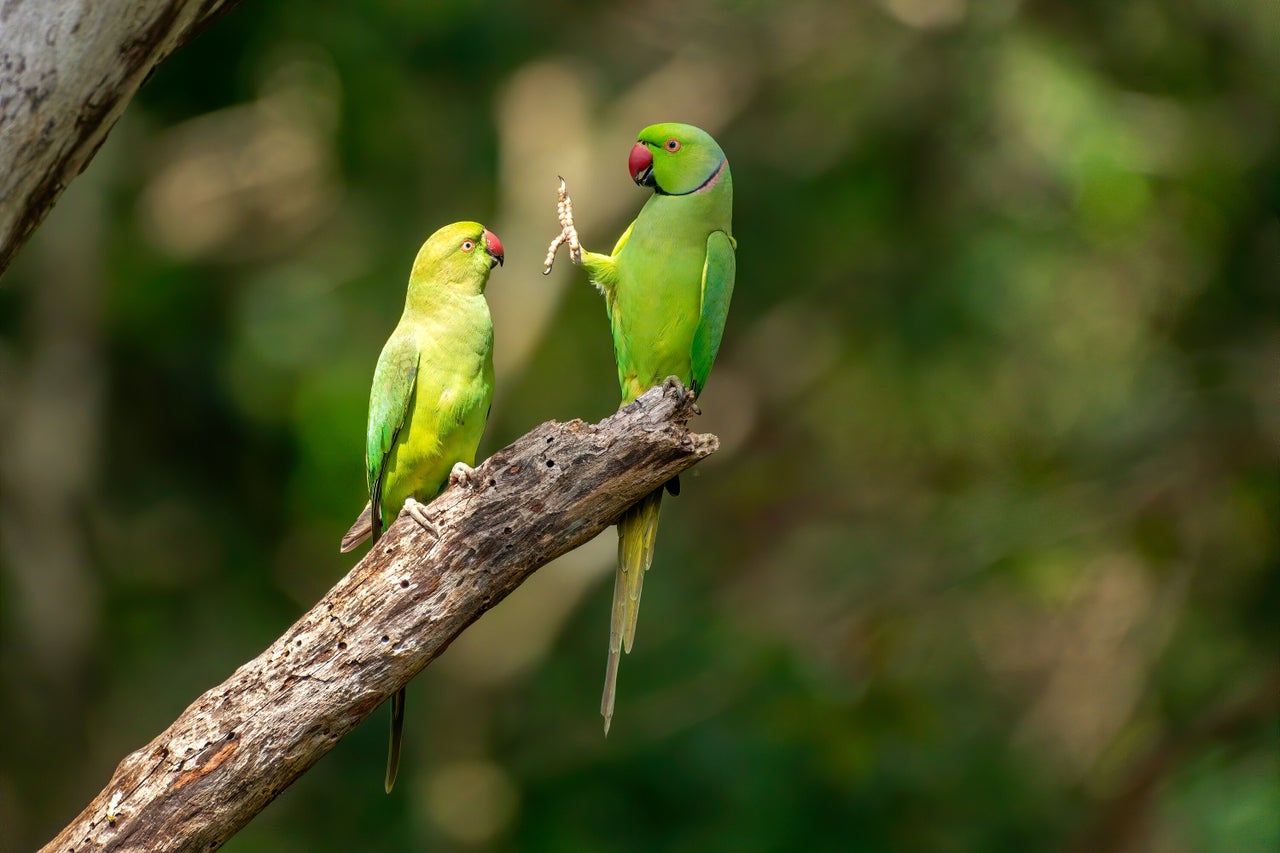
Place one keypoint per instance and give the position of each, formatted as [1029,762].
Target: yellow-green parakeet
[431,394]
[667,286]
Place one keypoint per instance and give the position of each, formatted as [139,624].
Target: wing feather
[718,274]
[389,401]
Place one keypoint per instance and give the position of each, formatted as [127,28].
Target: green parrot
[667,286]
[431,395]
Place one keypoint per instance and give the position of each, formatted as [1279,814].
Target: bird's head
[463,253]
[675,159]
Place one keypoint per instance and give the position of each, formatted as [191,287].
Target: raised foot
[568,233]
[462,474]
[418,512]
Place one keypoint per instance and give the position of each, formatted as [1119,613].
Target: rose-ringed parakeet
[667,286]
[431,394]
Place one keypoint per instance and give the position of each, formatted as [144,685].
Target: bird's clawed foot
[568,233]
[672,384]
[462,474]
[418,512]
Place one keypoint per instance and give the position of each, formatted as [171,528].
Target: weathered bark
[67,71]
[243,742]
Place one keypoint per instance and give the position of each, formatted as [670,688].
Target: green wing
[393,382]
[717,289]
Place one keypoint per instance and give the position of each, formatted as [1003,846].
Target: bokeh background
[987,561]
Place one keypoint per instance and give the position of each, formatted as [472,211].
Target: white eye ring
[468,245]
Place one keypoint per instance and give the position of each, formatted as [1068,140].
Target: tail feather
[637,533]
[397,736]
[366,527]
[361,530]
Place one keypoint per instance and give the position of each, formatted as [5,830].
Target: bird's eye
[673,144]
[468,245]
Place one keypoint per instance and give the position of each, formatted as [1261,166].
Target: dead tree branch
[243,742]
[67,71]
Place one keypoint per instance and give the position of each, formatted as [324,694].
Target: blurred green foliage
[988,560]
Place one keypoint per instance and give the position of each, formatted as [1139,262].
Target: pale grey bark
[68,68]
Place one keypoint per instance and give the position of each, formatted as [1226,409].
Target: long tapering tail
[397,703]
[366,526]
[637,532]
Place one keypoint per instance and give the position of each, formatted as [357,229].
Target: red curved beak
[640,164]
[494,247]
